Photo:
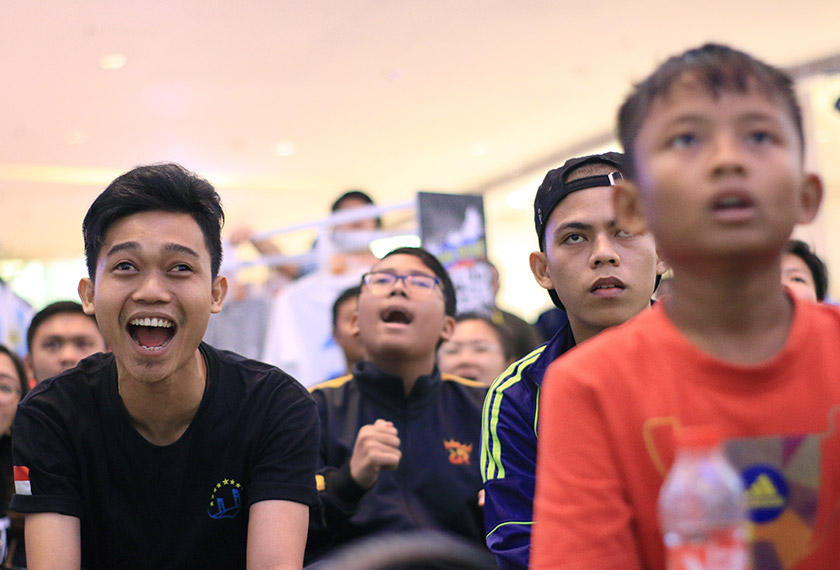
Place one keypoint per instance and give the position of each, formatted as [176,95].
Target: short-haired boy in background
[344,331]
[804,272]
[59,336]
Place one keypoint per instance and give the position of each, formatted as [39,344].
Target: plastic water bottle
[703,506]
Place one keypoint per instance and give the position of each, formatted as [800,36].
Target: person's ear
[220,289]
[539,267]
[628,207]
[354,324]
[448,328]
[28,365]
[661,265]
[86,290]
[809,199]
[354,319]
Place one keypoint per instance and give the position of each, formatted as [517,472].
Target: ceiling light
[112,61]
[284,148]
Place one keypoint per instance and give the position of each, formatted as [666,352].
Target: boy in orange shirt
[714,147]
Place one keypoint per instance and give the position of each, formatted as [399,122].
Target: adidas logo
[764,495]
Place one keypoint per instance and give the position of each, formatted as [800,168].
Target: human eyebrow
[753,116]
[686,119]
[795,271]
[584,226]
[393,271]
[53,338]
[178,248]
[573,226]
[124,246]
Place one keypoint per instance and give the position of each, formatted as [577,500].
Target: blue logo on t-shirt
[767,490]
[226,500]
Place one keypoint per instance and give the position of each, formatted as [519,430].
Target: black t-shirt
[184,505]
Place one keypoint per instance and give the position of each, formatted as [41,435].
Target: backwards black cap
[554,189]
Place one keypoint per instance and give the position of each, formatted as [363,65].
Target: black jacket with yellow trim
[437,482]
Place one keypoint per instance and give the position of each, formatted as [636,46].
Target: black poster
[452,228]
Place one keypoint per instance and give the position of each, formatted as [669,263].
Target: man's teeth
[610,286]
[152,322]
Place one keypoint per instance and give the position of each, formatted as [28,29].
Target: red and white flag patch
[22,485]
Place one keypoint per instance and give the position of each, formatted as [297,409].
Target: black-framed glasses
[380,282]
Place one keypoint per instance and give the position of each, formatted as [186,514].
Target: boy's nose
[70,356]
[728,155]
[603,251]
[399,288]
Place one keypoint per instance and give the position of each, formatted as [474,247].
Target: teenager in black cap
[600,276]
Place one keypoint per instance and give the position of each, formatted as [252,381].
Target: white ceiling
[387,95]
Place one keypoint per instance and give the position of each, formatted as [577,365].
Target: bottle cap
[698,437]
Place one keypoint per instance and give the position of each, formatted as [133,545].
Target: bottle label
[724,550]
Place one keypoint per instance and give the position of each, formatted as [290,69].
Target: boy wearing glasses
[399,440]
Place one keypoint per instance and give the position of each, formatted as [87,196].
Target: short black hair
[355,194]
[819,271]
[346,295]
[21,371]
[51,310]
[430,261]
[167,187]
[715,67]
[502,334]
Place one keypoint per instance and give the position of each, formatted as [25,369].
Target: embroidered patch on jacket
[459,453]
[226,500]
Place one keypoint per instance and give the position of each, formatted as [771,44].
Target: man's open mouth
[607,283]
[396,315]
[734,199]
[152,333]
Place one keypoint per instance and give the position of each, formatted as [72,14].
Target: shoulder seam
[334,383]
[445,376]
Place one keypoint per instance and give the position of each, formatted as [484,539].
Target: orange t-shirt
[607,416]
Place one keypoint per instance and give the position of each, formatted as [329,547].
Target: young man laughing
[165,453]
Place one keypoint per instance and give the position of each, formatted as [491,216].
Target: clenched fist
[377,447]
